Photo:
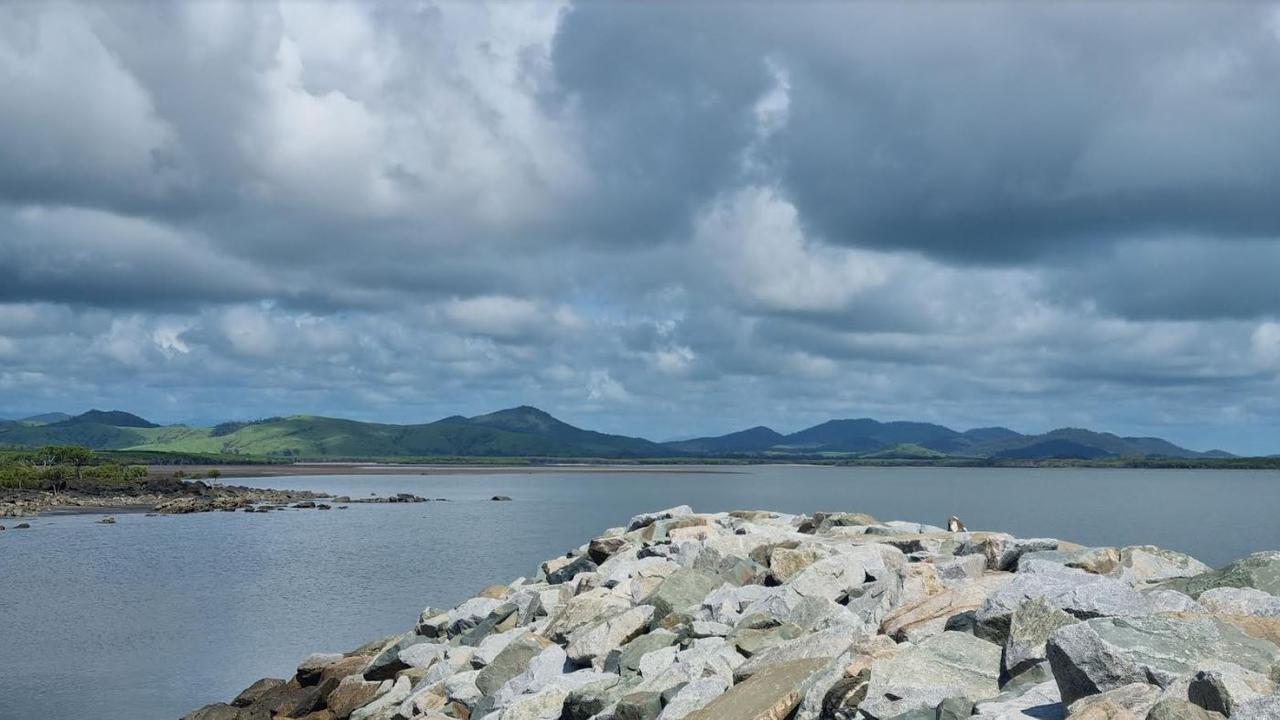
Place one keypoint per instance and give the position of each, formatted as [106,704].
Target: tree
[50,457]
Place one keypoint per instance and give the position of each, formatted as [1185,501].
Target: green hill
[529,432]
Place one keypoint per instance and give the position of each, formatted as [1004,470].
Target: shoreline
[749,615]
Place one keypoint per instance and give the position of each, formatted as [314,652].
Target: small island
[758,615]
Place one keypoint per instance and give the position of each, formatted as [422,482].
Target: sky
[657,219]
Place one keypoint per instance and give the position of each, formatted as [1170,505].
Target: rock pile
[757,615]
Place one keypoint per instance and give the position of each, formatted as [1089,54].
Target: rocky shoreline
[164,496]
[757,615]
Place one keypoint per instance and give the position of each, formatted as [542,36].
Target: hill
[45,418]
[744,441]
[529,432]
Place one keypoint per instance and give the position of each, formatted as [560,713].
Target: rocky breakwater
[837,616]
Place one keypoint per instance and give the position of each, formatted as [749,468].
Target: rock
[592,644]
[785,562]
[1031,627]
[1145,564]
[313,665]
[250,695]
[1075,592]
[1127,701]
[1037,700]
[500,498]
[288,700]
[935,610]
[570,570]
[830,643]
[1094,560]
[421,655]
[693,696]
[601,549]
[1002,551]
[681,590]
[22,526]
[956,708]
[626,660]
[643,705]
[387,663]
[352,692]
[216,711]
[770,694]
[1266,708]
[949,665]
[512,661]
[108,520]
[1171,708]
[588,701]
[1260,571]
[647,519]
[385,705]
[1240,601]
[1107,653]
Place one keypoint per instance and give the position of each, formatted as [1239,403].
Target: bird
[954,525]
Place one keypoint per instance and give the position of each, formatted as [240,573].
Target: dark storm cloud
[991,132]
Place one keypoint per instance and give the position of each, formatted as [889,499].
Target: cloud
[659,219]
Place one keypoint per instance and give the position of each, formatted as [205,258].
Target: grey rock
[770,694]
[512,661]
[1030,628]
[956,708]
[646,519]
[643,705]
[1260,571]
[1144,564]
[1134,700]
[628,657]
[1240,601]
[693,695]
[680,591]
[948,665]
[1172,708]
[570,570]
[1264,708]
[1038,701]
[592,644]
[825,644]
[1107,653]
[1078,593]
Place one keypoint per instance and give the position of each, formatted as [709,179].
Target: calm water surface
[155,616]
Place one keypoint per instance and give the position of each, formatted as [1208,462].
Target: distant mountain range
[529,432]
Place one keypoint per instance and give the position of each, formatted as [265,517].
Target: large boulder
[1031,627]
[951,664]
[681,590]
[1076,592]
[770,694]
[590,645]
[1260,571]
[1106,653]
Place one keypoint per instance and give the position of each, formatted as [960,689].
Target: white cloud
[753,238]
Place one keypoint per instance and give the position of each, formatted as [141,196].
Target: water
[155,616]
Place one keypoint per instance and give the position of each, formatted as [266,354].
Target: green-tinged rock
[1106,653]
[1260,571]
[628,657]
[680,590]
[955,708]
[512,661]
[643,705]
[769,694]
[1029,629]
[1134,700]
[1172,708]
[951,664]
